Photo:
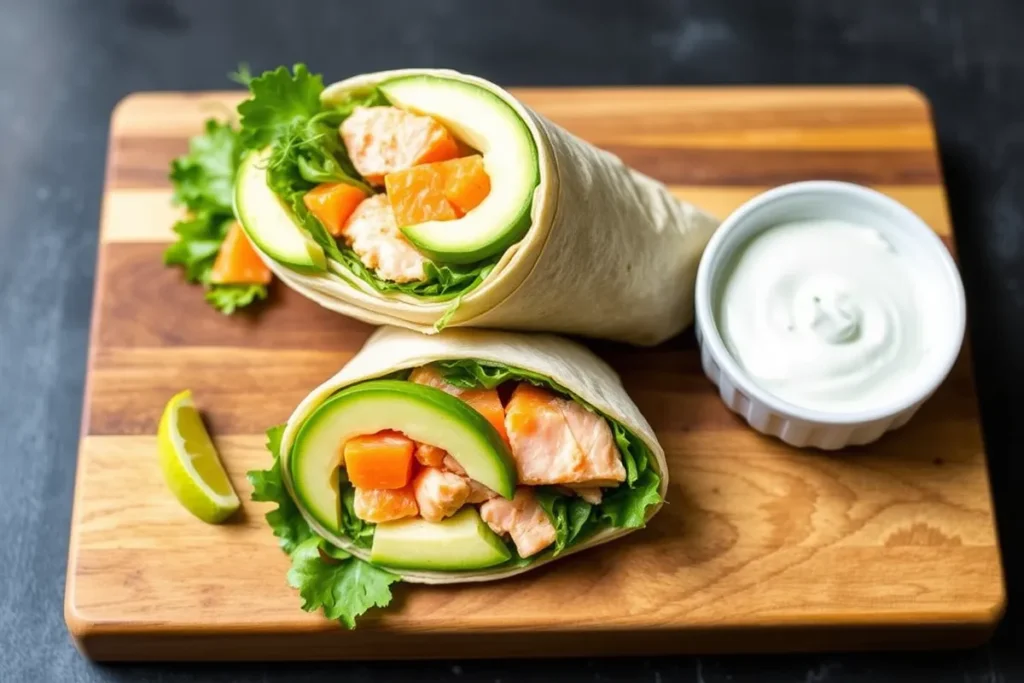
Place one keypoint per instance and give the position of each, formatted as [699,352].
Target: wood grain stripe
[142,162]
[138,215]
[894,136]
[776,167]
[927,201]
[239,390]
[144,304]
[603,115]
[788,105]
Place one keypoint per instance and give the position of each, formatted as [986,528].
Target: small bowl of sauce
[827,313]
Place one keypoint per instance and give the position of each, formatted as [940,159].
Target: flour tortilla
[610,252]
[566,363]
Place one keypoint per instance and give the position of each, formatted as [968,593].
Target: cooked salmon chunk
[593,435]
[478,493]
[430,376]
[439,494]
[430,456]
[591,494]
[382,140]
[484,401]
[452,465]
[523,519]
[557,441]
[372,233]
[384,505]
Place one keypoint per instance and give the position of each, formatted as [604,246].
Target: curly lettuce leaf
[311,152]
[229,298]
[280,99]
[203,179]
[574,518]
[471,374]
[327,577]
[344,588]
[199,239]
[286,521]
[285,111]
[203,184]
[624,506]
[635,465]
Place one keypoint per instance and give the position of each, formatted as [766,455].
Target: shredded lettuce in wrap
[284,111]
[356,529]
[575,520]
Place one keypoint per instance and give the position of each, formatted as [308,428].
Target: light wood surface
[761,547]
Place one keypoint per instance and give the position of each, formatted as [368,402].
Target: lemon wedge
[190,463]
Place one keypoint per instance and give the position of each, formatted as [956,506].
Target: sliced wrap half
[313,448]
[591,247]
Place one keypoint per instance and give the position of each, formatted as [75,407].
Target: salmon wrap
[428,198]
[466,456]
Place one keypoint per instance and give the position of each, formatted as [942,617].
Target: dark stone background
[63,65]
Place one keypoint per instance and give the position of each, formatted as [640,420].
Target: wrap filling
[462,465]
[416,185]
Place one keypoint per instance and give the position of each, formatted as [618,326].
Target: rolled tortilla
[610,253]
[566,363]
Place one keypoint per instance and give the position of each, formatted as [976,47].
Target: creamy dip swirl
[827,315]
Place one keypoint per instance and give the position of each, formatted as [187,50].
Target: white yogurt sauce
[828,315]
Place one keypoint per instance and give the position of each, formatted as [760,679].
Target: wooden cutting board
[761,547]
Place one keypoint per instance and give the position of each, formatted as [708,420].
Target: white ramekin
[767,413]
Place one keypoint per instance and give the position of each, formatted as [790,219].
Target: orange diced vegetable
[466,183]
[438,145]
[379,461]
[437,192]
[417,195]
[333,203]
[237,262]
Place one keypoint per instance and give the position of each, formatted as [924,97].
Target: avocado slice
[484,121]
[463,541]
[422,413]
[268,223]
